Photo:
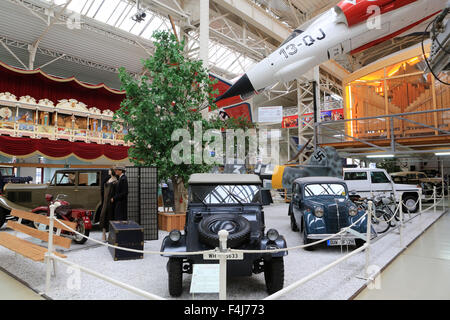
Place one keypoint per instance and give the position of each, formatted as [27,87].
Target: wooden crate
[168,221]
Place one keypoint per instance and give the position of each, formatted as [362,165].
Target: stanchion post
[368,236]
[401,223]
[434,199]
[420,204]
[223,236]
[48,255]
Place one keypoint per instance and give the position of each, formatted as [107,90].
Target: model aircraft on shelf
[349,27]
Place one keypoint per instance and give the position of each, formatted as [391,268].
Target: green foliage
[167,98]
[390,165]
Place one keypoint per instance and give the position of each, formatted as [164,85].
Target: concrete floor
[421,272]
[339,283]
[12,289]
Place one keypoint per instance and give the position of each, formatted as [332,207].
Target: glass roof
[118,13]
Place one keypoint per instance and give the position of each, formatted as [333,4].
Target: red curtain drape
[39,86]
[60,148]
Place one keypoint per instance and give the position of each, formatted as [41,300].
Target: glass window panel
[324,189]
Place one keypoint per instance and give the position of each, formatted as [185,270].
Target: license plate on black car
[339,242]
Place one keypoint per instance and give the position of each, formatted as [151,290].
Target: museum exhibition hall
[210,150]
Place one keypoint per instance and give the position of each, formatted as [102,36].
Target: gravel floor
[149,274]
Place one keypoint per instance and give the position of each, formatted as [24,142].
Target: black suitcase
[127,234]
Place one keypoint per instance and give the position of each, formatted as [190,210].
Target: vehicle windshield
[224,194]
[325,189]
[6,171]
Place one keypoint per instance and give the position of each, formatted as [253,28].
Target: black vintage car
[229,202]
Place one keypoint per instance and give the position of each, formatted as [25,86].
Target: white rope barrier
[135,250]
[125,286]
[298,283]
[344,230]
[369,212]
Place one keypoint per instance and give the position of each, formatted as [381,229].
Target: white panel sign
[205,278]
[270,114]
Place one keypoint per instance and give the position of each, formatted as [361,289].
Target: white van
[367,182]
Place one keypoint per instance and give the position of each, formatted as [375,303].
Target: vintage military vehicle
[229,202]
[81,186]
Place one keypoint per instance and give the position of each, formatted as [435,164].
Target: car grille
[333,223]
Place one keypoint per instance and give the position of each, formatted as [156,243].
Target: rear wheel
[175,271]
[274,274]
[410,204]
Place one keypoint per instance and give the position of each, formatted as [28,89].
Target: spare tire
[237,226]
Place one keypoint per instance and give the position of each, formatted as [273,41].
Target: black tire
[81,229]
[238,227]
[274,274]
[3,214]
[359,243]
[407,199]
[306,240]
[175,276]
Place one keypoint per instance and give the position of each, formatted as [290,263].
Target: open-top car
[321,207]
[229,202]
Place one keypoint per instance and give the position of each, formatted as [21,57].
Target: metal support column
[204,32]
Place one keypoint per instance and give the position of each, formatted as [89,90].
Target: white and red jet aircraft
[350,27]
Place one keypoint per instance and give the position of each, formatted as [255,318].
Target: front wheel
[175,271]
[81,229]
[37,224]
[380,221]
[306,240]
[3,214]
[274,274]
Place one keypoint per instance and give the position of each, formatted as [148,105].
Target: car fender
[280,243]
[40,209]
[313,224]
[170,246]
[8,205]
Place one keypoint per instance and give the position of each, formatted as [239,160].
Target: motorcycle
[64,212]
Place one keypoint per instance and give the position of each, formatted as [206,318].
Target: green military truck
[83,188]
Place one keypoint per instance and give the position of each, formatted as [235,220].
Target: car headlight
[318,212]
[175,235]
[352,211]
[272,234]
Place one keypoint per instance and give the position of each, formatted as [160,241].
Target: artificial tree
[167,97]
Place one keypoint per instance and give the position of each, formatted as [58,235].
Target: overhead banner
[325,116]
[270,114]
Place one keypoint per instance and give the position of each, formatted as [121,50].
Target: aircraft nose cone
[241,87]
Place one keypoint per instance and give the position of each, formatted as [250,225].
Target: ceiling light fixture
[381,156]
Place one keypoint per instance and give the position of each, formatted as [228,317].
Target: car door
[380,183]
[88,189]
[358,182]
[63,182]
[296,203]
